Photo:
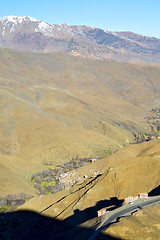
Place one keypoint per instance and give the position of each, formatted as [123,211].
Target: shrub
[3,203]
[11,197]
[21,196]
[4,209]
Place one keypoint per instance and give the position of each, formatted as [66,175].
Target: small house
[143,195]
[101,212]
[153,137]
[128,199]
[93,160]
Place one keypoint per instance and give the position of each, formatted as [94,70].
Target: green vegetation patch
[4,209]
[45,183]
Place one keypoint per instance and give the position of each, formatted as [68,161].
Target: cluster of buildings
[129,200]
[132,199]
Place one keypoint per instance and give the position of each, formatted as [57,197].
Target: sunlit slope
[126,173]
[142,225]
[32,138]
[130,82]
[54,107]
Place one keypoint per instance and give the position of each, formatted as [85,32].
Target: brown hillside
[55,107]
[142,225]
[129,171]
[126,173]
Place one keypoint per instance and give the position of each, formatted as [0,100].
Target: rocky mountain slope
[55,107]
[28,34]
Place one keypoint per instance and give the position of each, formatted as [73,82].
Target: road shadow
[154,192]
[29,225]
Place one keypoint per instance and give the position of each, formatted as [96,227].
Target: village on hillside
[154,124]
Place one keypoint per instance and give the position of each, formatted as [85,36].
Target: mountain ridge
[28,34]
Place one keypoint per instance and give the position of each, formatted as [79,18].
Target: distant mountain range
[28,34]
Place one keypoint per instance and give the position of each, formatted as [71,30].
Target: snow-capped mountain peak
[45,28]
[17,19]
[25,33]
[10,24]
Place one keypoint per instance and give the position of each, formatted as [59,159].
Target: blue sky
[140,16]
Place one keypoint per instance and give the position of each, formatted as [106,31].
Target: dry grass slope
[54,107]
[123,174]
[142,225]
[129,171]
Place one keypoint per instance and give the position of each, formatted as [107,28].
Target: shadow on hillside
[24,225]
[154,192]
[91,212]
